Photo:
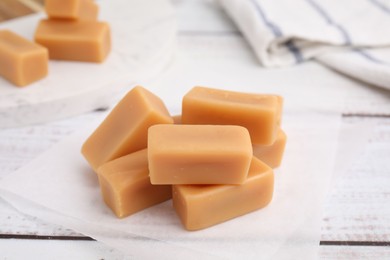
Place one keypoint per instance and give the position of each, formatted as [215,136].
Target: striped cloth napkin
[350,36]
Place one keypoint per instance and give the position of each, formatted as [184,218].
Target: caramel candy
[198,154]
[72,9]
[21,61]
[177,119]
[272,154]
[126,187]
[201,206]
[75,40]
[260,114]
[125,129]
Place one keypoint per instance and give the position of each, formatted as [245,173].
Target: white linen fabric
[350,36]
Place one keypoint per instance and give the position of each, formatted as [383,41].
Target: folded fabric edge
[273,47]
[360,65]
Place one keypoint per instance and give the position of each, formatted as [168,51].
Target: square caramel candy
[80,40]
[126,187]
[202,206]
[72,9]
[260,114]
[125,129]
[21,61]
[198,154]
[272,155]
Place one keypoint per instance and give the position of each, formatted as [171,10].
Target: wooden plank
[14,224]
[17,147]
[20,145]
[57,249]
[367,101]
[358,208]
[354,252]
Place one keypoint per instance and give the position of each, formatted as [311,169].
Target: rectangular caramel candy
[125,185]
[198,154]
[125,129]
[260,114]
[80,40]
[272,154]
[72,9]
[202,206]
[21,61]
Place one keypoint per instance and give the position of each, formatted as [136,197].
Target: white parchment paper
[59,187]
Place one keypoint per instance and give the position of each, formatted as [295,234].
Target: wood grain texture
[358,206]
[354,253]
[18,146]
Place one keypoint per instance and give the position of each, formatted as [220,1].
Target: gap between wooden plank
[42,237]
[85,238]
[354,243]
[365,115]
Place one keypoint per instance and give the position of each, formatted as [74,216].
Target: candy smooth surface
[125,129]
[198,154]
[21,61]
[272,155]
[260,114]
[202,206]
[126,187]
[81,40]
[72,9]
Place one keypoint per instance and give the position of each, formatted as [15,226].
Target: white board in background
[143,43]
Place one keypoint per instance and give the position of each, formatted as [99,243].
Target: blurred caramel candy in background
[80,40]
[72,9]
[22,62]
[77,35]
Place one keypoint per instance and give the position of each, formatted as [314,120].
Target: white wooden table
[356,221]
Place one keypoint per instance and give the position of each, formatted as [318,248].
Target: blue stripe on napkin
[295,51]
[278,32]
[342,30]
[371,58]
[321,11]
[274,28]
[380,5]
